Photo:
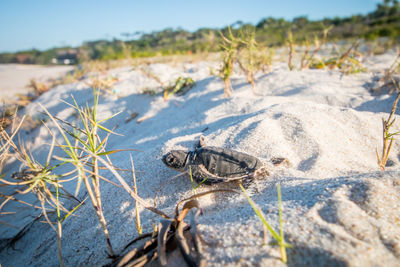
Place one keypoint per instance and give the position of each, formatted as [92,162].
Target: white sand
[339,209]
[15,77]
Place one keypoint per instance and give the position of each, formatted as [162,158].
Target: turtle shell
[225,162]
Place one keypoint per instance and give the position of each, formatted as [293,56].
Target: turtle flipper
[200,173]
[200,143]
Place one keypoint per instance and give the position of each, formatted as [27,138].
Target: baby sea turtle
[211,164]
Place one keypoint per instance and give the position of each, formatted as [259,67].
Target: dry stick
[9,138]
[103,178]
[99,212]
[11,197]
[59,230]
[138,226]
[96,186]
[128,189]
[47,191]
[42,202]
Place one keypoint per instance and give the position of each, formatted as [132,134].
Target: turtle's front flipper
[200,143]
[200,173]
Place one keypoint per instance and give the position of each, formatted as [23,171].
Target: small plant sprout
[278,237]
[229,47]
[180,87]
[388,137]
[139,228]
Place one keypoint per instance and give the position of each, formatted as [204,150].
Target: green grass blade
[113,151]
[107,130]
[278,188]
[205,179]
[73,210]
[72,154]
[112,116]
[282,242]
[263,220]
[84,121]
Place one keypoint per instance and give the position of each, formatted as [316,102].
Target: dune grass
[84,149]
[37,179]
[229,47]
[179,87]
[280,239]
[309,57]
[387,135]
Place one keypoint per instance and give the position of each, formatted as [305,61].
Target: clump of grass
[280,239]
[180,87]
[348,62]
[265,57]
[37,179]
[387,136]
[248,59]
[291,46]
[86,152]
[87,140]
[389,79]
[38,87]
[308,57]
[84,149]
[229,47]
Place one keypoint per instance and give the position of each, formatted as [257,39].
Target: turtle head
[176,159]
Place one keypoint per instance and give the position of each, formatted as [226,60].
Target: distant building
[66,57]
[23,59]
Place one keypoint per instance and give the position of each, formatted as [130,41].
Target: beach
[339,208]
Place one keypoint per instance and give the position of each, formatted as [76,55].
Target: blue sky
[42,24]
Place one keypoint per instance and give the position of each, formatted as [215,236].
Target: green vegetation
[271,32]
[85,150]
[280,239]
[194,186]
[180,87]
[229,46]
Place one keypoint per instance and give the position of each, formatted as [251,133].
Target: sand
[15,77]
[339,208]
